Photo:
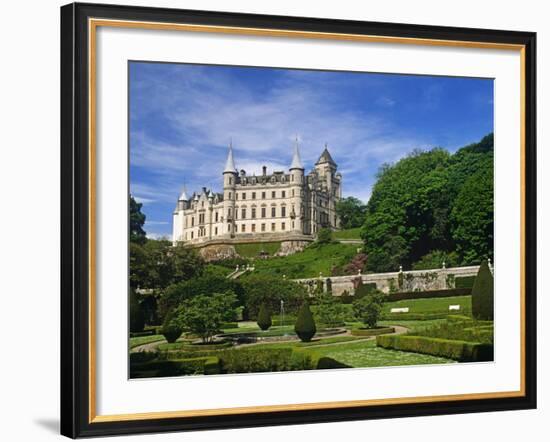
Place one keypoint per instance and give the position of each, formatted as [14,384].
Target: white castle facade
[276,207]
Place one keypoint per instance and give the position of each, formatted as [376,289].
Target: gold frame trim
[93,24]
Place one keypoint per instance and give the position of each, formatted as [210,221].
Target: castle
[276,207]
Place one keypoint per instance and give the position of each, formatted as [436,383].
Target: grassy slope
[309,263]
[347,234]
[253,250]
[140,340]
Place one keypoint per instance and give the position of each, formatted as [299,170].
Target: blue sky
[182,118]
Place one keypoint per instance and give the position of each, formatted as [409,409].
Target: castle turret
[296,191]
[326,168]
[229,185]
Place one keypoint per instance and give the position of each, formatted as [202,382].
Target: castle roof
[325,158]
[183,196]
[296,160]
[230,163]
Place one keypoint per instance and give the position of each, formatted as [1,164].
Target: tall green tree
[351,212]
[137,220]
[305,326]
[204,314]
[431,201]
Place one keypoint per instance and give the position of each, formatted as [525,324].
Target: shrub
[372,331]
[324,236]
[329,310]
[137,318]
[444,293]
[461,351]
[255,360]
[362,289]
[188,366]
[368,308]
[305,324]
[264,317]
[482,293]
[464,282]
[171,330]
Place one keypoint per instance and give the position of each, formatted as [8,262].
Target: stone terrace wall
[414,280]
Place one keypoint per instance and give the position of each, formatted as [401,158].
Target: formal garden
[430,209]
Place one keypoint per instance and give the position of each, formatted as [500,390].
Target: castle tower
[229,185]
[326,168]
[296,191]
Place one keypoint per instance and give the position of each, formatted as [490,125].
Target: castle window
[229,228]
[291,177]
[229,195]
[292,224]
[229,213]
[243,213]
[253,227]
[263,212]
[215,231]
[216,216]
[283,194]
[273,194]
[253,212]
[191,235]
[292,192]
[283,226]
[244,196]
[273,227]
[236,195]
[273,212]
[230,180]
[253,195]
[263,195]
[192,221]
[263,227]
[283,211]
[243,227]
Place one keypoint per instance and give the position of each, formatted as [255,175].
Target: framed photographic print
[274,220]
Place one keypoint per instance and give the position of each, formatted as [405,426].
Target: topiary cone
[483,294]
[264,318]
[305,324]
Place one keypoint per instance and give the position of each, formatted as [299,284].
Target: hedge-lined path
[399,330]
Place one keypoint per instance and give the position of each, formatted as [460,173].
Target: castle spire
[296,160]
[183,196]
[230,163]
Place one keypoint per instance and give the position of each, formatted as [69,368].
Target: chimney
[264,170]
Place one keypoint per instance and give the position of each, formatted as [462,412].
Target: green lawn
[309,263]
[432,305]
[347,233]
[253,250]
[367,354]
[140,340]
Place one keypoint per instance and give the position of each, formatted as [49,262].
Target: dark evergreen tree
[305,324]
[264,317]
[483,294]
[137,318]
[171,330]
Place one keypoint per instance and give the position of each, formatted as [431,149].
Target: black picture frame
[75,220]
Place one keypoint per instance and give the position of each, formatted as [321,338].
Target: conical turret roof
[296,160]
[325,157]
[230,163]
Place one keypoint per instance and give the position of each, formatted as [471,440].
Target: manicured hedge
[413,316]
[464,282]
[446,293]
[142,333]
[186,346]
[372,331]
[189,366]
[461,351]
